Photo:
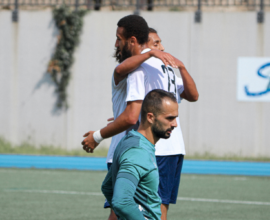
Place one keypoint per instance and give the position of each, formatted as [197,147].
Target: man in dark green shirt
[131,185]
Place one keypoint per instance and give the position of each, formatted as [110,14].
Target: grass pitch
[33,194]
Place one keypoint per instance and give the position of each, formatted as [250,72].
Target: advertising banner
[253,79]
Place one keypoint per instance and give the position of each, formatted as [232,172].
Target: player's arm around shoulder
[132,63]
[190,92]
[129,65]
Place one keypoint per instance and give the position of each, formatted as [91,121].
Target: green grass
[26,148]
[22,196]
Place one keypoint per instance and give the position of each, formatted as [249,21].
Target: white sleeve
[113,82]
[135,85]
[180,87]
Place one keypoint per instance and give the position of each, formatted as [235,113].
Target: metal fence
[257,5]
[150,4]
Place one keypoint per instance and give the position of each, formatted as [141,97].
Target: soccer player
[132,34]
[131,185]
[154,41]
[119,87]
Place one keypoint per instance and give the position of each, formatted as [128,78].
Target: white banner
[253,82]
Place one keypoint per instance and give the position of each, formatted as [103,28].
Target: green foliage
[69,24]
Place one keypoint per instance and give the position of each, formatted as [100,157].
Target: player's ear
[150,117]
[133,40]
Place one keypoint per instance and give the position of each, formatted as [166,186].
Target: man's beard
[117,55]
[120,56]
[158,132]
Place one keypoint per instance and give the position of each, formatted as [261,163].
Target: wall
[216,124]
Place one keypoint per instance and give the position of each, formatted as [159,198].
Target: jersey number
[170,81]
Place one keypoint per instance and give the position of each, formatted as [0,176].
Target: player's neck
[146,131]
[138,49]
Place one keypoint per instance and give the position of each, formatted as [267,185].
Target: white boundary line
[178,198]
[56,192]
[223,201]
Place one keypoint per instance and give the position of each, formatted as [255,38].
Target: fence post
[198,13]
[149,5]
[97,5]
[260,14]
[89,4]
[15,12]
[137,11]
[76,5]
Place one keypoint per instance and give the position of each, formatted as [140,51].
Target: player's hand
[110,120]
[178,63]
[166,58]
[89,143]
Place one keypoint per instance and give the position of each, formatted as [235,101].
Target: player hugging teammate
[144,72]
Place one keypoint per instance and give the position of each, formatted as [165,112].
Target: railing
[257,5]
[133,3]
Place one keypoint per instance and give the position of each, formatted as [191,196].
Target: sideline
[96,163]
[178,198]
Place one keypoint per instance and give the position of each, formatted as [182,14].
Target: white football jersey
[119,105]
[153,74]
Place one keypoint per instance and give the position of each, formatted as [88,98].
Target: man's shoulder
[132,149]
[131,139]
[128,141]
[153,61]
[139,70]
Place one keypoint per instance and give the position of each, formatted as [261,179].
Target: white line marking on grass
[56,192]
[178,198]
[29,171]
[240,178]
[39,171]
[223,201]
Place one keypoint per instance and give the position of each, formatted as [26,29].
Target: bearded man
[131,185]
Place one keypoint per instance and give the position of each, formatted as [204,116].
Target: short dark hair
[153,102]
[152,30]
[136,26]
